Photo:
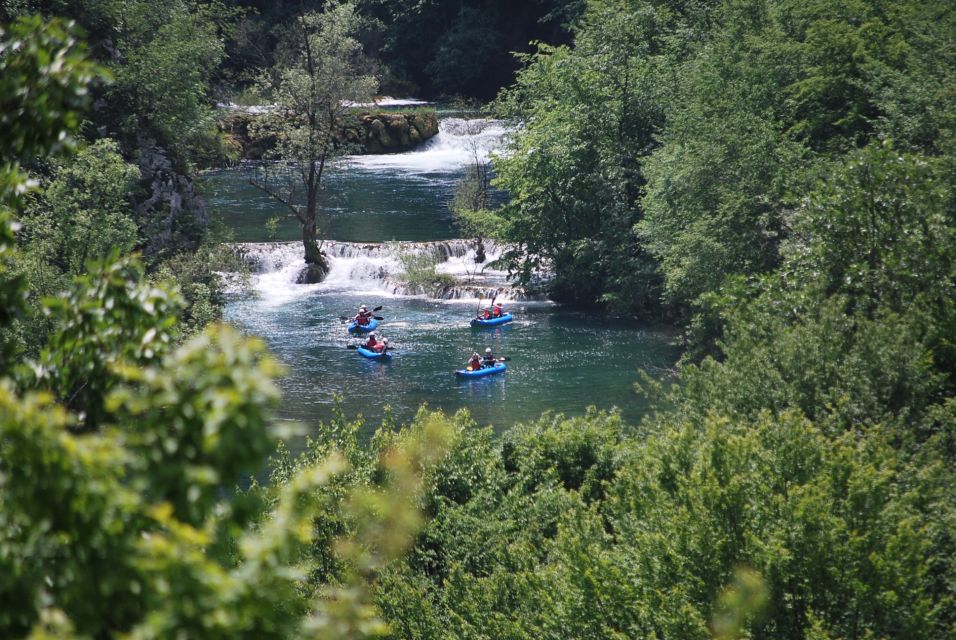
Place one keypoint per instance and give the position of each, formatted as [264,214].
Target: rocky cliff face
[172,214]
[370,132]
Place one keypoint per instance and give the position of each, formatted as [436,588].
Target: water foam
[458,144]
[375,268]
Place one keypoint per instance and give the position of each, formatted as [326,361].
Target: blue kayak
[373,355]
[484,371]
[355,327]
[491,322]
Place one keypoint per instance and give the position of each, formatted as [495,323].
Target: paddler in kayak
[381,347]
[475,363]
[363,317]
[371,343]
[489,359]
[497,311]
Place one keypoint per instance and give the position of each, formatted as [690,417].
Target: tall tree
[321,78]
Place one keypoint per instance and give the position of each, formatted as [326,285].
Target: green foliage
[463,51]
[84,212]
[197,276]
[272,227]
[770,527]
[472,202]
[574,171]
[170,50]
[674,141]
[106,319]
[878,230]
[462,47]
[43,84]
[419,271]
[44,80]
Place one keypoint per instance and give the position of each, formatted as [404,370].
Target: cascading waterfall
[377,268]
[458,144]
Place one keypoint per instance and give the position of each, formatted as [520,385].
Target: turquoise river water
[561,359]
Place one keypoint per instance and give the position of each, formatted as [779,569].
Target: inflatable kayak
[491,322]
[484,371]
[373,355]
[355,327]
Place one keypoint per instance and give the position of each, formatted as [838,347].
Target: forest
[771,180]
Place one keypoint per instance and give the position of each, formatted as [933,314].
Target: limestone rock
[312,274]
[172,212]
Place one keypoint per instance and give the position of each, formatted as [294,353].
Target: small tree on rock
[322,76]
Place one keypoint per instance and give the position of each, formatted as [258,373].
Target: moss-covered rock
[368,132]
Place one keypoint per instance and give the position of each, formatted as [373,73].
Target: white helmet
[363,308]
[372,335]
[384,340]
[488,350]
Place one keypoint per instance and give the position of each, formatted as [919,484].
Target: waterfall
[377,268]
[458,142]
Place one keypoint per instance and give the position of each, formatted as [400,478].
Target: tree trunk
[312,253]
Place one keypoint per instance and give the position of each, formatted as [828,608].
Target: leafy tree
[84,212]
[316,84]
[574,171]
[169,51]
[43,89]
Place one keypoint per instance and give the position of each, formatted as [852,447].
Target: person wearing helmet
[489,359]
[372,342]
[382,346]
[364,316]
[475,363]
[497,311]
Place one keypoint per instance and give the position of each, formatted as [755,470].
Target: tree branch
[275,195]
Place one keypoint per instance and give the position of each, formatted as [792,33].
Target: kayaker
[364,316]
[371,343]
[382,346]
[489,359]
[485,314]
[475,363]
[497,311]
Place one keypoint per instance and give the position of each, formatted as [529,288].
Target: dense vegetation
[776,175]
[672,147]
[431,49]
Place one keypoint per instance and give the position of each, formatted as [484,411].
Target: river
[561,359]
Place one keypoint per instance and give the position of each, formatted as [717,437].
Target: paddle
[481,296]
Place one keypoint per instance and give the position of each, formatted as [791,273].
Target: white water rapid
[459,143]
[377,268]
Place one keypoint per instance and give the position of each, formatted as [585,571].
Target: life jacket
[363,318]
[475,364]
[488,361]
[486,314]
[496,312]
[370,343]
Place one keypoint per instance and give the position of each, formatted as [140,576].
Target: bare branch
[278,197]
